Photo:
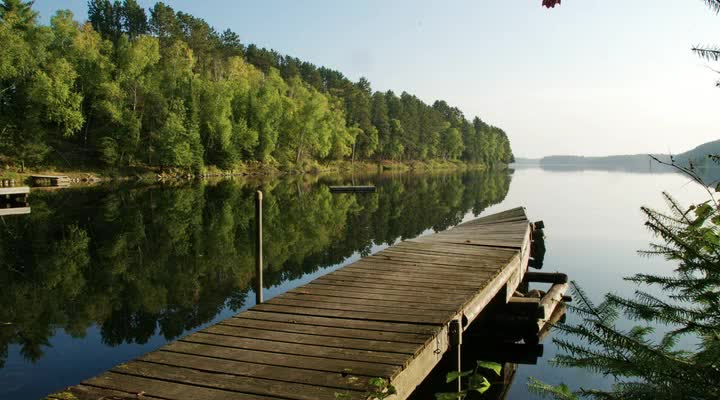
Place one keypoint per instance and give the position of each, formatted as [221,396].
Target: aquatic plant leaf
[453,375]
[478,383]
[493,366]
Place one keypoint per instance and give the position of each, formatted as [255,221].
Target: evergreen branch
[676,208]
[689,171]
[649,308]
[710,53]
[714,5]
[544,390]
[638,345]
[673,238]
[585,303]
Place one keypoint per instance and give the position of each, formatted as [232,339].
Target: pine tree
[24,14]
[134,19]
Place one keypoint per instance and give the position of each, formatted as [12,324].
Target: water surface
[96,276]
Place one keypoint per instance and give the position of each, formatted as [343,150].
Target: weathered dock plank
[306,363]
[16,190]
[388,315]
[330,331]
[14,211]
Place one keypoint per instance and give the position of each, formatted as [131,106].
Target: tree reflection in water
[142,260]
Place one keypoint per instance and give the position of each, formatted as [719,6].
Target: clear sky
[590,77]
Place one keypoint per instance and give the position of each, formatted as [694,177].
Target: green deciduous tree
[180,143]
[304,131]
[53,93]
[266,110]
[451,145]
[216,128]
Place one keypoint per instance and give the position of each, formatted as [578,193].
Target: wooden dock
[5,212]
[391,315]
[16,191]
[13,200]
[53,180]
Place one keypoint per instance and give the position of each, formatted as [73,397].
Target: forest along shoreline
[162,94]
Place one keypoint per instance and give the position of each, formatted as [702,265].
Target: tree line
[163,88]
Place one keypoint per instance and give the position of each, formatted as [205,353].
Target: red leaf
[550,3]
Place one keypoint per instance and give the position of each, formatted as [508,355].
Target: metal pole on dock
[259,254]
[455,331]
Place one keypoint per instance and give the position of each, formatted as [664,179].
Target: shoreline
[256,169]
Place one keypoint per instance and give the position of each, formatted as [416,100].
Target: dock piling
[259,252]
[455,341]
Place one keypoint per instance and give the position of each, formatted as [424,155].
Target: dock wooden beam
[546,277]
[552,299]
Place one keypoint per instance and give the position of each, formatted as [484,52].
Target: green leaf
[703,210]
[453,375]
[711,237]
[377,382]
[478,383]
[564,389]
[491,366]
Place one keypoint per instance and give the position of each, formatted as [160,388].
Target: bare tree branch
[691,173]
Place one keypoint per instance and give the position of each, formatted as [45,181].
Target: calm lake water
[96,276]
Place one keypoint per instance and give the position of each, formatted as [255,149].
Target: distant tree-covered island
[164,89]
[699,158]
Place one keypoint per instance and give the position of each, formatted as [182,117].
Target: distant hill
[708,169]
[699,155]
[612,162]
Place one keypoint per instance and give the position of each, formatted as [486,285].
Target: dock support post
[259,248]
[455,333]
